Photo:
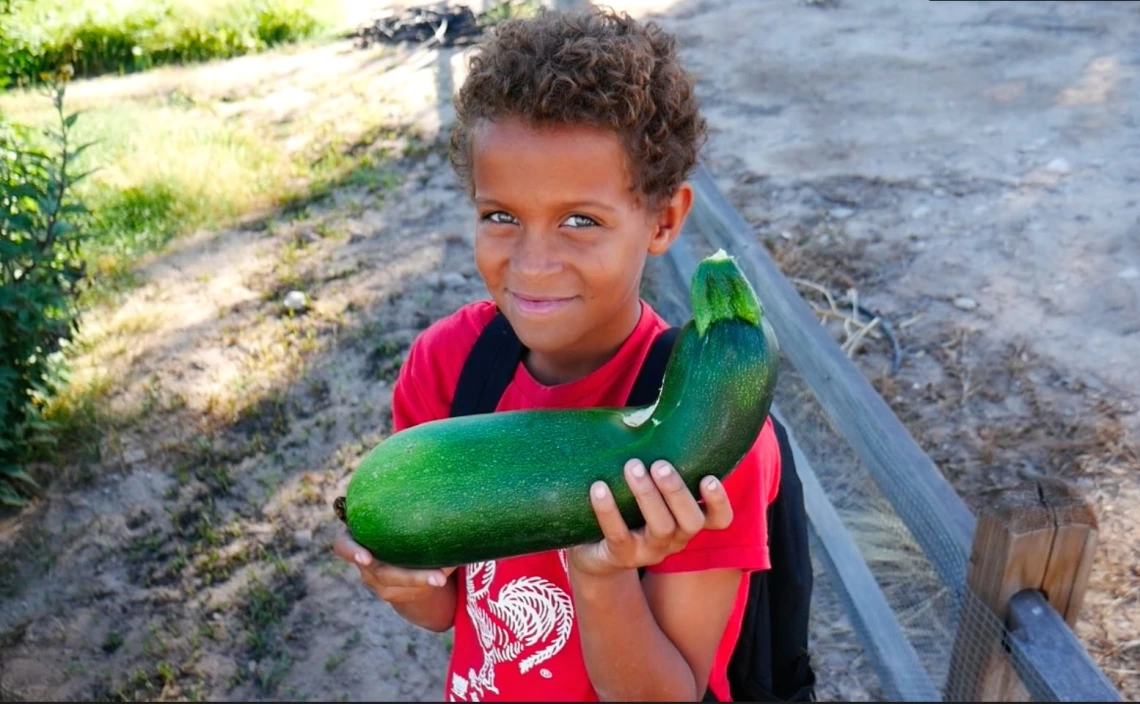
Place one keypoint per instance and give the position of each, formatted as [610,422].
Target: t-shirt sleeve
[744,544]
[416,398]
[426,382]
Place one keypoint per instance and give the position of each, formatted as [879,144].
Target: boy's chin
[544,337]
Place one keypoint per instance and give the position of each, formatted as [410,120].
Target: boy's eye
[581,221]
[499,217]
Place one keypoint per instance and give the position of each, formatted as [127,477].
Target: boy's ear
[670,218]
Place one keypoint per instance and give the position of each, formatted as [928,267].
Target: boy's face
[561,239]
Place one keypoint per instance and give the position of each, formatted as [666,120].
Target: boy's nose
[535,256]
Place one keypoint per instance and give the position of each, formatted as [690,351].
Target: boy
[574,135]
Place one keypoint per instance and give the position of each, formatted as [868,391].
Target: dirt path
[872,146]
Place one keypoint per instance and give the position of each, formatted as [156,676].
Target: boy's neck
[572,364]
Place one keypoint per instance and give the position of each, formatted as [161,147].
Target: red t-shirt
[516,634]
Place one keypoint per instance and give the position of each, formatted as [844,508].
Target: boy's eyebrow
[574,204]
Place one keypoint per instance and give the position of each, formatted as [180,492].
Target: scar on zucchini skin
[338,506]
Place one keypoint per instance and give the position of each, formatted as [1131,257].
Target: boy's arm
[653,641]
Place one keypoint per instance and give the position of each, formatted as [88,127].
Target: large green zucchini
[462,490]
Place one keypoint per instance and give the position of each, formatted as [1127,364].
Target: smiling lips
[539,305]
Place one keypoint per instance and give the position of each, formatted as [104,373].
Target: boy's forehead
[518,138]
[509,154]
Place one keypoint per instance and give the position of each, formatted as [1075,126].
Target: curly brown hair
[591,67]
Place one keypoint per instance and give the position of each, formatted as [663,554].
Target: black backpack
[771,660]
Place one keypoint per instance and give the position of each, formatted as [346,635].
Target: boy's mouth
[538,305]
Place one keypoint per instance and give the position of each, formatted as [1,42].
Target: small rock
[303,538]
[356,238]
[1058,166]
[965,303]
[252,667]
[433,279]
[842,213]
[134,455]
[990,129]
[454,279]
[296,301]
[920,212]
[1129,273]
[433,161]
[939,192]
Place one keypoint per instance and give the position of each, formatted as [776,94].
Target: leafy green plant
[121,36]
[508,9]
[40,274]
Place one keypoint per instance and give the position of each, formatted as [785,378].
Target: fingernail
[711,483]
[361,558]
[638,469]
[599,490]
[662,469]
[436,580]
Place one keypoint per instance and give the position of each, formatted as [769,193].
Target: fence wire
[961,645]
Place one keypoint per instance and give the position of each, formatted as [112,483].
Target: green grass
[166,171]
[122,36]
[161,171]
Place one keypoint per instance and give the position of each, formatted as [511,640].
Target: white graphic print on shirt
[526,621]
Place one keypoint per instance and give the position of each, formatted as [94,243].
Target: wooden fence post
[1040,537]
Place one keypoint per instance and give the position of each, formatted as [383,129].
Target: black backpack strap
[648,382]
[771,661]
[493,360]
[488,369]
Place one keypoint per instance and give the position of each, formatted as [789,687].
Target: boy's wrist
[591,584]
[435,611]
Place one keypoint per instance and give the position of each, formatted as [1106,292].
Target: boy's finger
[351,551]
[718,509]
[396,595]
[659,523]
[613,526]
[392,576]
[683,508]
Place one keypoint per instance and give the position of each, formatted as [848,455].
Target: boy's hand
[672,518]
[394,585]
